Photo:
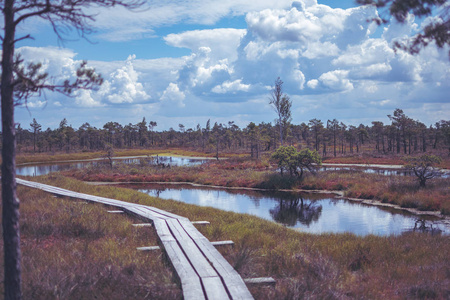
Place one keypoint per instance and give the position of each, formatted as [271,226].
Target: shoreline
[114,158]
[339,194]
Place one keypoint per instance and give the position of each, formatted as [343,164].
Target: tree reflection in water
[290,211]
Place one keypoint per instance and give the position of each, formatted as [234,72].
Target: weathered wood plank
[232,280]
[200,222]
[151,248]
[164,213]
[199,262]
[143,225]
[261,280]
[67,193]
[163,231]
[144,213]
[190,282]
[222,243]
[148,248]
[214,288]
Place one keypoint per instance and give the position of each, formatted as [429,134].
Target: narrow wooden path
[202,270]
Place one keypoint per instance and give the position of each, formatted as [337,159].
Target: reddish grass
[403,191]
[97,257]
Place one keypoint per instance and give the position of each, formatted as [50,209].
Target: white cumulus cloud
[173,95]
[336,80]
[231,87]
[123,85]
[222,42]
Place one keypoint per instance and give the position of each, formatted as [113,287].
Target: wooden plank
[67,193]
[222,243]
[261,280]
[165,213]
[214,288]
[146,214]
[162,229]
[232,280]
[190,282]
[200,222]
[148,248]
[151,248]
[143,225]
[192,289]
[196,258]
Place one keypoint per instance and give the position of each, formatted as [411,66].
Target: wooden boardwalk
[203,272]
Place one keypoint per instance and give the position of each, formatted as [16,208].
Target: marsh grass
[75,250]
[99,258]
[63,156]
[400,190]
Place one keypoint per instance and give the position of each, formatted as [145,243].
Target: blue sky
[187,61]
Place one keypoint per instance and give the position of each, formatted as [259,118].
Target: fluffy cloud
[159,13]
[327,58]
[201,73]
[312,24]
[60,64]
[222,42]
[123,86]
[336,80]
[231,87]
[173,95]
[35,103]
[85,98]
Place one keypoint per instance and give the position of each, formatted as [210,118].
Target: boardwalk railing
[203,272]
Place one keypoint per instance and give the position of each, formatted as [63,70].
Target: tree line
[331,138]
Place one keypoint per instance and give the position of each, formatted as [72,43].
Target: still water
[313,213]
[43,169]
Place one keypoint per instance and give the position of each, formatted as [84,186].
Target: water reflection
[289,212]
[423,226]
[314,213]
[387,172]
[44,169]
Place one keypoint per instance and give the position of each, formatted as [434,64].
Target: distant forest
[331,138]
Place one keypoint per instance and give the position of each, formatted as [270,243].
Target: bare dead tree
[18,82]
[282,104]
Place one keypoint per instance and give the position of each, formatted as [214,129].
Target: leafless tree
[282,104]
[424,167]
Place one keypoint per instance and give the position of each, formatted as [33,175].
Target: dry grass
[75,250]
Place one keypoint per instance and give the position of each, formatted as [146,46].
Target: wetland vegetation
[71,249]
